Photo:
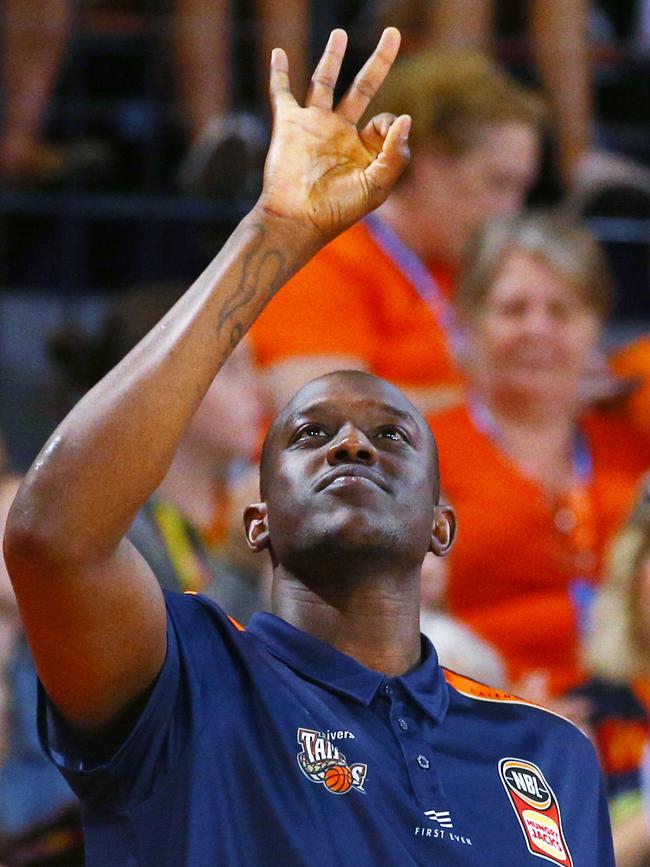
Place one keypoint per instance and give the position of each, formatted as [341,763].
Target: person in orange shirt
[617,657]
[547,484]
[378,298]
[633,363]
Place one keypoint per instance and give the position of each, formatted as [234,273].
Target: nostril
[341,454]
[364,455]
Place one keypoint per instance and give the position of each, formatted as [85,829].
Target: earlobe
[444,530]
[257,527]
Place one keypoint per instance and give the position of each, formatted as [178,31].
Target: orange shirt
[352,299]
[511,569]
[633,361]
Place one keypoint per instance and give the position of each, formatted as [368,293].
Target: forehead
[531,274]
[505,141]
[354,393]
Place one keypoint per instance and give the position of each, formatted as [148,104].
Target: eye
[393,432]
[311,431]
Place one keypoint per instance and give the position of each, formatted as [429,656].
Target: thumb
[385,169]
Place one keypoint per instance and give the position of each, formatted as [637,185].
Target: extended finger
[369,79]
[279,87]
[323,81]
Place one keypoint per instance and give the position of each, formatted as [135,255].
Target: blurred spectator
[378,297]
[224,144]
[188,522]
[633,362]
[559,36]
[39,821]
[547,484]
[458,648]
[617,652]
[38,814]
[34,39]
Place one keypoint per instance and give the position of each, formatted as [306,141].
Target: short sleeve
[174,712]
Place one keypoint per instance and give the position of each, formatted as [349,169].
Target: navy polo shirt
[267,747]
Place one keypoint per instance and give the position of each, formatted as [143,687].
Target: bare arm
[92,610]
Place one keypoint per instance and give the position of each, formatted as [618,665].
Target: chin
[330,544]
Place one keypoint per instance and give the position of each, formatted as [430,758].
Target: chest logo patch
[322,762]
[537,810]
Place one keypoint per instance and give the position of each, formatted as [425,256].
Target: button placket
[418,754]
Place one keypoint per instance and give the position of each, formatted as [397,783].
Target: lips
[351,471]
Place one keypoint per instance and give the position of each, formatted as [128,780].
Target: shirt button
[387,689]
[401,722]
[423,762]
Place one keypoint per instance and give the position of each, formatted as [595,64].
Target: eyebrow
[326,405]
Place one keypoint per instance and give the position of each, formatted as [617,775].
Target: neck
[538,441]
[376,621]
[524,410]
[193,482]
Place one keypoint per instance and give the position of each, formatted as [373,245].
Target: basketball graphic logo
[338,778]
[322,762]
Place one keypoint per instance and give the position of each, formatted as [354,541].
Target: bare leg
[285,24]
[461,23]
[35,36]
[202,43]
[559,42]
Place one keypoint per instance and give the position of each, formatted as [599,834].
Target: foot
[599,172]
[225,159]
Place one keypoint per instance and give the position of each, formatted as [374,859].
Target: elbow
[31,541]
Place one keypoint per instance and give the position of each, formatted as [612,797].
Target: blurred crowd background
[505,287]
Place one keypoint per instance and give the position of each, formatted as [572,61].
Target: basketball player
[325,733]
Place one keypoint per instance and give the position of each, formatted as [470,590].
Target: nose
[539,321]
[352,446]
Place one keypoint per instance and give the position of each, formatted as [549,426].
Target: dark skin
[92,610]
[351,508]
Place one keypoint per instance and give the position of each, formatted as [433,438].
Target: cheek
[494,340]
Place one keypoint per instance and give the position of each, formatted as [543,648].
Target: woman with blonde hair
[549,482]
[617,655]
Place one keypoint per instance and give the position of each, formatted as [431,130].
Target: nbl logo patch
[537,810]
[322,762]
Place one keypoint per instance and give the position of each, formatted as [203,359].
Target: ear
[256,523]
[444,530]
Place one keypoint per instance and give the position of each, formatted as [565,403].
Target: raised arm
[92,610]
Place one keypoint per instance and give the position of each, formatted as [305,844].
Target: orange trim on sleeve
[237,625]
[234,622]
[476,689]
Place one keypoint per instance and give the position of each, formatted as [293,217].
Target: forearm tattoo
[263,273]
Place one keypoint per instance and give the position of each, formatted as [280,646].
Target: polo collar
[323,664]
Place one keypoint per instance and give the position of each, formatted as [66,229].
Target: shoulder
[200,625]
[614,442]
[496,704]
[633,358]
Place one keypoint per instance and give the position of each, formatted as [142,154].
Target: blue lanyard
[581,461]
[417,274]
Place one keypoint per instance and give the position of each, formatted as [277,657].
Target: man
[325,733]
[379,297]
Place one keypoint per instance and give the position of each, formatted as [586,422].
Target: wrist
[300,239]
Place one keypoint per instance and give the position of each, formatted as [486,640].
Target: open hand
[321,172]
